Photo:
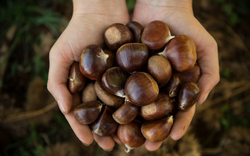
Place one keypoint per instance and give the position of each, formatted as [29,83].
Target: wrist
[171,5]
[98,6]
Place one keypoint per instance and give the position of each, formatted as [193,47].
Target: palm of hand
[182,22]
[83,30]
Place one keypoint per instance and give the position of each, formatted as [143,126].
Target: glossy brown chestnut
[141,89]
[76,79]
[116,35]
[130,135]
[162,106]
[191,75]
[106,97]
[110,59]
[156,35]
[88,93]
[104,124]
[132,57]
[136,29]
[160,68]
[93,62]
[181,52]
[113,80]
[188,96]
[157,130]
[173,87]
[126,113]
[87,112]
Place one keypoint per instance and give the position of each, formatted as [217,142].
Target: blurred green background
[32,125]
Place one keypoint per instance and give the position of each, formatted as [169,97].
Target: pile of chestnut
[137,83]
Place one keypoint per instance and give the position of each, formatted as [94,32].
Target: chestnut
[160,68]
[173,86]
[162,106]
[113,80]
[88,93]
[94,61]
[156,35]
[110,59]
[116,35]
[136,29]
[181,52]
[157,130]
[130,135]
[132,57]
[126,113]
[141,89]
[76,80]
[87,112]
[106,97]
[191,75]
[188,96]
[104,125]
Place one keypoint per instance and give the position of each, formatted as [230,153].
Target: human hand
[178,15]
[89,20]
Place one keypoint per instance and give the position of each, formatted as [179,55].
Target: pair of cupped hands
[91,18]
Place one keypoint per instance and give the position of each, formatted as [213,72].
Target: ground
[31,123]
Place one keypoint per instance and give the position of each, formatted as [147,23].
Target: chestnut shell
[126,113]
[156,35]
[93,62]
[105,124]
[132,57]
[130,135]
[76,80]
[114,79]
[160,68]
[181,52]
[141,89]
[188,96]
[87,112]
[173,86]
[157,130]
[162,106]
[116,35]
[137,29]
[106,97]
[191,75]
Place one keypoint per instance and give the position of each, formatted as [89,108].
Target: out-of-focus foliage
[236,11]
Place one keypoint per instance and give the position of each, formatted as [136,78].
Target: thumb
[60,64]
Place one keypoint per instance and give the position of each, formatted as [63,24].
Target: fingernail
[108,150]
[204,98]
[85,144]
[61,107]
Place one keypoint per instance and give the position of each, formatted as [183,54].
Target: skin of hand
[89,20]
[178,15]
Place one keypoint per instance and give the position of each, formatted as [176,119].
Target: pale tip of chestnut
[171,119]
[172,93]
[103,56]
[128,148]
[169,38]
[120,93]
[96,131]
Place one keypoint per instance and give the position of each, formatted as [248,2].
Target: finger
[209,64]
[152,146]
[58,77]
[83,132]
[115,137]
[107,143]
[181,122]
